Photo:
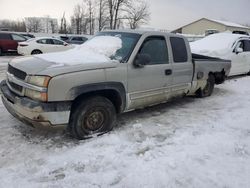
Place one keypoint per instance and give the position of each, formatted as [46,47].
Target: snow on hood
[216,45]
[97,50]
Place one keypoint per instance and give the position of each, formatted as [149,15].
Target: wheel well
[219,76]
[112,95]
[36,50]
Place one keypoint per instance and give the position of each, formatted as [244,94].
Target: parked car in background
[27,35]
[9,42]
[241,32]
[74,39]
[211,31]
[234,47]
[42,45]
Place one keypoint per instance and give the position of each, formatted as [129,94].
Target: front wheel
[93,116]
[209,88]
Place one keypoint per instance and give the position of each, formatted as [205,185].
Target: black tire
[1,52]
[36,52]
[93,116]
[209,88]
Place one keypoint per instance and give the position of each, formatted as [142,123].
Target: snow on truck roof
[216,45]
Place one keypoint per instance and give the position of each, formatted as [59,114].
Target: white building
[41,25]
[199,27]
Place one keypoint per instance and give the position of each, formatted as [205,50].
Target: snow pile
[188,143]
[97,50]
[216,45]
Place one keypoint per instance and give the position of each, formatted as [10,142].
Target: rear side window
[5,36]
[57,42]
[179,49]
[45,41]
[77,39]
[18,37]
[156,48]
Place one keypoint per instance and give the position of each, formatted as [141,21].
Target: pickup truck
[116,71]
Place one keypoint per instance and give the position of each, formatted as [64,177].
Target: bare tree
[115,7]
[137,14]
[33,24]
[102,14]
[13,25]
[90,12]
[63,25]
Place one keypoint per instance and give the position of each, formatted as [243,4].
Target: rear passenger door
[182,66]
[149,84]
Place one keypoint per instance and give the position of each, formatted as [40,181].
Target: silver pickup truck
[83,89]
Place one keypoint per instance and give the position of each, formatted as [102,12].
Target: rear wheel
[93,116]
[209,88]
[36,52]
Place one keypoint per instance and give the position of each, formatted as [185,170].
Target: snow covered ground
[182,144]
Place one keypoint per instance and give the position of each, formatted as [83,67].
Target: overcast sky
[165,14]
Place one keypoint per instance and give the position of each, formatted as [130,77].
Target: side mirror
[141,60]
[238,50]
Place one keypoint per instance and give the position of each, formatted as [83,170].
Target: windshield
[129,41]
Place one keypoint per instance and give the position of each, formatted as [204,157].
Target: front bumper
[34,113]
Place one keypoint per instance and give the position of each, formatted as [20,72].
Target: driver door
[149,84]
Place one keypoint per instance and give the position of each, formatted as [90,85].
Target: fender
[98,87]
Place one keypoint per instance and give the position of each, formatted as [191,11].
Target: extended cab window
[157,50]
[179,49]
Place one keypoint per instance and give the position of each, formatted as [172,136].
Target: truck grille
[16,87]
[17,73]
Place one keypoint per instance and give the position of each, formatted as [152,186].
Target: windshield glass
[129,41]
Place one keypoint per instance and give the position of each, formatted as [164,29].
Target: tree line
[90,16]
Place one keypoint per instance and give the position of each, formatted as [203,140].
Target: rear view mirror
[238,50]
[141,60]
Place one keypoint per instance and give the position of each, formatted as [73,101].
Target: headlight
[36,95]
[42,81]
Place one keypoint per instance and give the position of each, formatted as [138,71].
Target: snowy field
[182,144]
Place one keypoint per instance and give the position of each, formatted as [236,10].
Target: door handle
[168,72]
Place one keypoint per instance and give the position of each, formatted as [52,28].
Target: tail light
[23,45]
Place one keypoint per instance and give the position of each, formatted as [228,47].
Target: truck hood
[93,54]
[34,65]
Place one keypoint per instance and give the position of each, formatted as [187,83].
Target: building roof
[230,24]
[225,23]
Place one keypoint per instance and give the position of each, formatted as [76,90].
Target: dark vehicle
[74,39]
[9,42]
[27,35]
[241,32]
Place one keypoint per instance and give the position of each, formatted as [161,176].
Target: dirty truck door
[149,84]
